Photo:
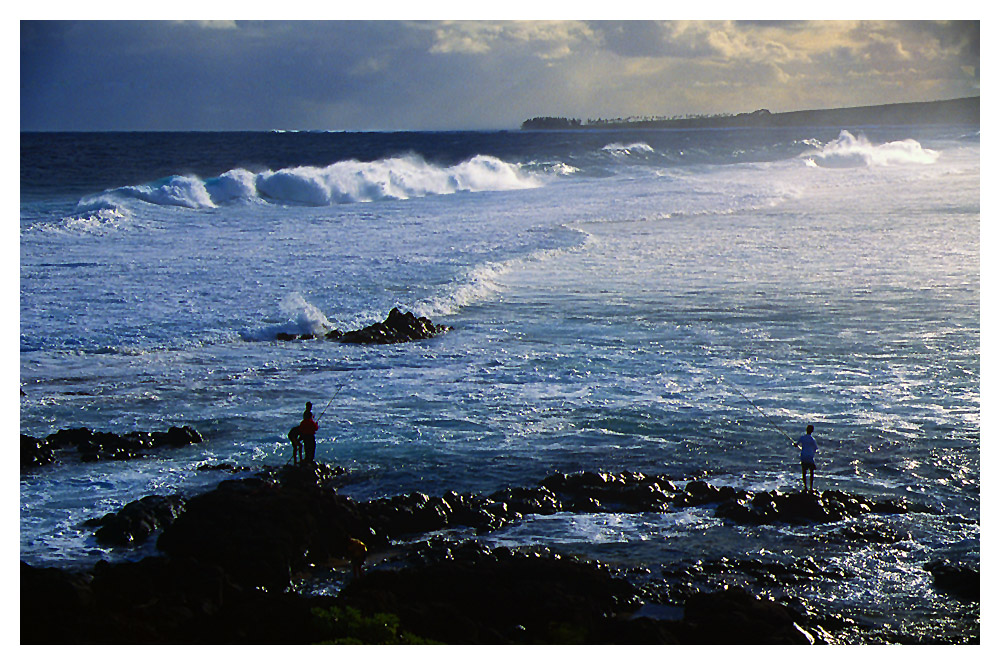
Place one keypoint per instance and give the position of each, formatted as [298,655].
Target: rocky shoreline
[231,561]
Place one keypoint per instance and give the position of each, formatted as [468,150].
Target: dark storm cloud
[167,75]
[471,74]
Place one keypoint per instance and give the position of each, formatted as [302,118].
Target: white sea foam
[308,317]
[848,150]
[485,281]
[478,285]
[622,150]
[349,181]
[181,191]
[237,184]
[100,219]
[302,318]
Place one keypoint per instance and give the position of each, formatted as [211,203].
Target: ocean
[678,302]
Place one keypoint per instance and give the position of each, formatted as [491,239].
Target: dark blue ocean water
[673,302]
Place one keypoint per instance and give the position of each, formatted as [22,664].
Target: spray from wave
[851,151]
[349,181]
[301,318]
[621,150]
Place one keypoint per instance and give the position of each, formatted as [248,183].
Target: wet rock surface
[397,328]
[137,520]
[92,446]
[231,557]
[958,578]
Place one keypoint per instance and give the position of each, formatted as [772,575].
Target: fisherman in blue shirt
[808,445]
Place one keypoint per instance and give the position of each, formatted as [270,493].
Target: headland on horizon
[952,111]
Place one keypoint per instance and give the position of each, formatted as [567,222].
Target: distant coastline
[952,111]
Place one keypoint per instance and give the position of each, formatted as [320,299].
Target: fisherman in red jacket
[307,431]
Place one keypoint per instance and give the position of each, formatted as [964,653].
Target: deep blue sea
[663,301]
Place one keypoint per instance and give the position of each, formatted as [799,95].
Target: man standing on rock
[808,446]
[307,431]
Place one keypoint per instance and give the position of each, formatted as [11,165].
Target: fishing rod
[339,388]
[744,396]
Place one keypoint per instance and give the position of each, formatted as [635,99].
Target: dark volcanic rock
[733,616]
[35,451]
[797,507]
[96,446]
[137,520]
[469,594]
[57,606]
[156,601]
[611,492]
[408,513]
[261,531]
[533,501]
[959,579]
[397,327]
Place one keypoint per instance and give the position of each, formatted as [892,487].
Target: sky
[472,74]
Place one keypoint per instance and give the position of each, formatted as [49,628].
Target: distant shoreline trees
[952,111]
[548,122]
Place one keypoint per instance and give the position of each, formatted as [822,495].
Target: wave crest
[848,151]
[622,150]
[349,181]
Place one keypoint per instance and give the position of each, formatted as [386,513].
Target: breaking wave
[302,318]
[349,181]
[622,150]
[850,151]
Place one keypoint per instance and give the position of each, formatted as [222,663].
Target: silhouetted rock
[733,616]
[611,492]
[397,327]
[137,520]
[35,452]
[959,579]
[468,593]
[97,446]
[263,530]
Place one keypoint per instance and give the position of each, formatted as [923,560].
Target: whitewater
[670,302]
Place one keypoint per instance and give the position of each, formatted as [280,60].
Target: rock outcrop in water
[397,328]
[93,446]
